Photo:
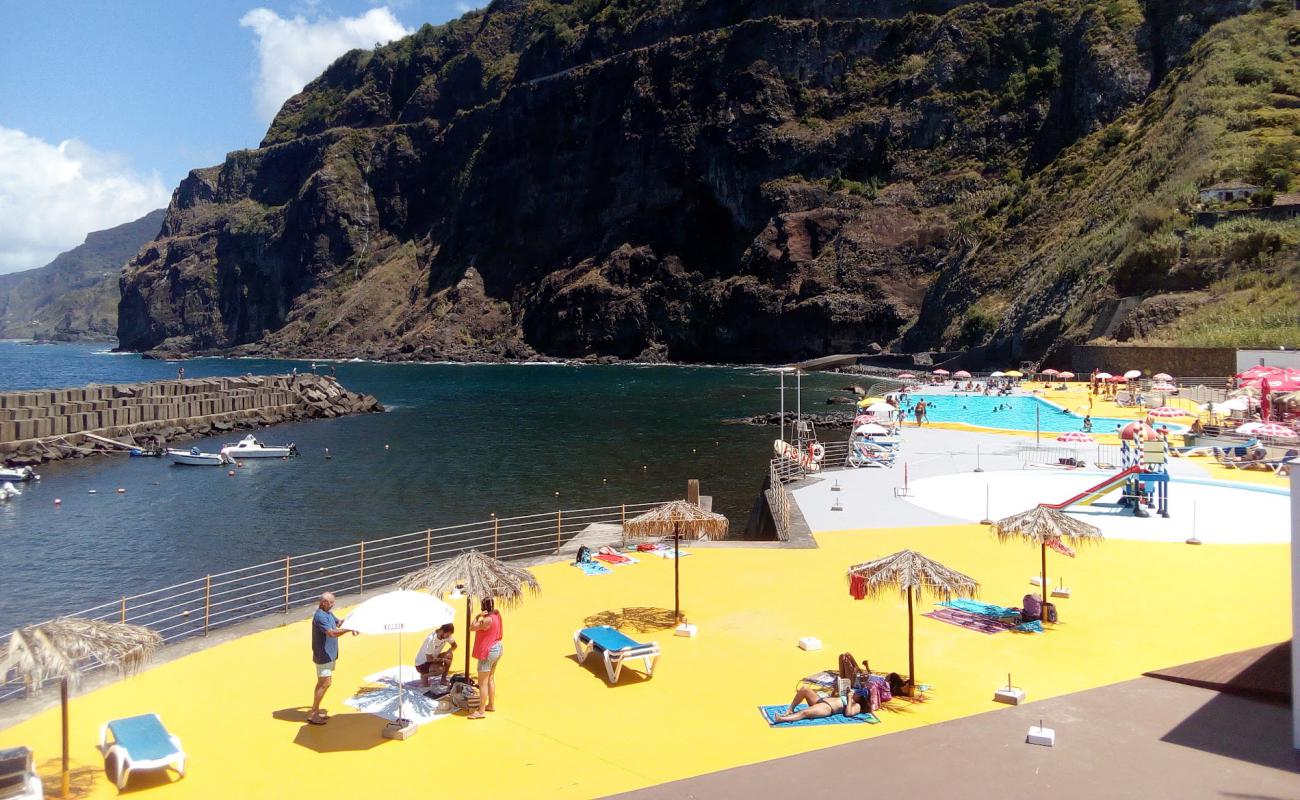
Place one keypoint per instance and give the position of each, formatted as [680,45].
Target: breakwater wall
[52,424]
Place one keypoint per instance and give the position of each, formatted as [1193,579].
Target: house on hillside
[1227,192]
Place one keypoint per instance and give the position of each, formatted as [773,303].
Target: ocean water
[1016,413]
[462,441]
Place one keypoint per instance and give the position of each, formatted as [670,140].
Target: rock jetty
[831,420]
[53,424]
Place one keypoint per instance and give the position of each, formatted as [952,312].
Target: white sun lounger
[615,647]
[138,743]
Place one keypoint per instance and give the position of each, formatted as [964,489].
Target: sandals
[477,715]
[316,721]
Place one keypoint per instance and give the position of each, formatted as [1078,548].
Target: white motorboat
[195,458]
[18,474]
[250,447]
[8,491]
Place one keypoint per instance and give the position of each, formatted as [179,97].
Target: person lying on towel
[818,707]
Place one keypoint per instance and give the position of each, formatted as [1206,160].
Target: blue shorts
[493,656]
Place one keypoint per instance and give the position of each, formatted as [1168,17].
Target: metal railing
[198,606]
[1093,455]
[781,502]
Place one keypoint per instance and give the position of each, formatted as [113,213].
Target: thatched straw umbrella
[480,577]
[58,650]
[1045,527]
[678,518]
[910,572]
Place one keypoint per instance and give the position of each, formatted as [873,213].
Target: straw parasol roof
[479,575]
[60,649]
[1045,527]
[911,573]
[677,517]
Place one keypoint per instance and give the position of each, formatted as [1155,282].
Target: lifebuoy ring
[817,451]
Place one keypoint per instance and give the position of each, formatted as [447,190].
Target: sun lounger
[138,743]
[614,647]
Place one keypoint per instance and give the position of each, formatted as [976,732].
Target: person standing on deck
[920,412]
[487,649]
[325,631]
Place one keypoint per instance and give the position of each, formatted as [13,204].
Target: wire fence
[199,606]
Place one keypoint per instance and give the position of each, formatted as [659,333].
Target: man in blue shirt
[325,632]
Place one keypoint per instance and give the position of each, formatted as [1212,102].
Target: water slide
[1094,493]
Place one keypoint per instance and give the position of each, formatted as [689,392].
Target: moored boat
[18,474]
[250,447]
[196,458]
[7,491]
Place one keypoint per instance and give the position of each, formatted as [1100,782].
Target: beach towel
[591,568]
[769,713]
[982,608]
[615,558]
[670,553]
[967,620]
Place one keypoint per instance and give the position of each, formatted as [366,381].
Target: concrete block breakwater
[52,424]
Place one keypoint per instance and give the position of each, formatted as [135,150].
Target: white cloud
[292,51]
[51,196]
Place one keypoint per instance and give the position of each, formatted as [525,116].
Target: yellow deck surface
[561,731]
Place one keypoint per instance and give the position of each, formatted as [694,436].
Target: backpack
[584,555]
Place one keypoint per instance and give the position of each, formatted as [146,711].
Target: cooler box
[15,770]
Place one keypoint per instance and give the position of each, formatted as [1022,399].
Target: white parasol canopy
[870,429]
[1133,373]
[399,612]
[883,409]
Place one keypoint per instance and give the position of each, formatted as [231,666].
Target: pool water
[1016,412]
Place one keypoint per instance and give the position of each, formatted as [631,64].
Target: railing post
[122,614]
[622,514]
[558,524]
[286,584]
[428,546]
[207,602]
[496,526]
[363,567]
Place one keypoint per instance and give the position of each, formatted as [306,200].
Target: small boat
[146,452]
[19,474]
[250,447]
[195,458]
[8,491]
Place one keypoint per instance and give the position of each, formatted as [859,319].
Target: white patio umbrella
[1162,376]
[997,374]
[1103,376]
[1133,373]
[870,429]
[1249,428]
[399,612]
[882,409]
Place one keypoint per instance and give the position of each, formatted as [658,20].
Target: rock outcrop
[695,180]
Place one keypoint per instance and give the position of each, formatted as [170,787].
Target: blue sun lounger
[614,647]
[138,743]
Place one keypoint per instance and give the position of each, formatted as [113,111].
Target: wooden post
[363,567]
[286,584]
[693,491]
[122,613]
[63,695]
[911,648]
[496,525]
[428,547]
[207,602]
[622,513]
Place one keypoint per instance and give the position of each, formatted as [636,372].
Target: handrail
[197,606]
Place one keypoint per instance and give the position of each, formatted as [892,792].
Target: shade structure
[677,518]
[1162,376]
[59,650]
[941,372]
[1065,376]
[1134,429]
[1249,428]
[1014,373]
[882,409]
[870,401]
[911,573]
[1236,404]
[399,612]
[1278,378]
[1117,379]
[1133,373]
[1164,387]
[1050,371]
[1168,412]
[1045,527]
[1275,431]
[479,576]
[1076,438]
[961,373]
[870,429]
[997,373]
[906,375]
[1103,376]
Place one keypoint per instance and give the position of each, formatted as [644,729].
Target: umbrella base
[400,729]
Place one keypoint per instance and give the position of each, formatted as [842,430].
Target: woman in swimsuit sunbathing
[819,707]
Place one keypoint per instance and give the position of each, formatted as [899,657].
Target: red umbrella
[1168,412]
[1162,376]
[1075,438]
[961,373]
[1275,431]
[1050,372]
[1065,376]
[1131,430]
[1116,379]
[942,372]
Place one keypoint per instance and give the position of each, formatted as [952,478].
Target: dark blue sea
[458,441]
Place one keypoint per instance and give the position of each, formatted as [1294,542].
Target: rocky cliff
[721,180]
[75,295]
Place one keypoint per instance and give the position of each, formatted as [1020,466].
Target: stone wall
[49,424]
[1199,362]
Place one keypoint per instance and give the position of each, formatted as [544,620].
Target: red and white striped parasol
[961,373]
[1065,376]
[1076,438]
[1168,412]
[1162,376]
[1164,387]
[1249,428]
[1275,431]
[906,376]
[941,371]
[1051,372]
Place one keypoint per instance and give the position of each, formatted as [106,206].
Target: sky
[105,105]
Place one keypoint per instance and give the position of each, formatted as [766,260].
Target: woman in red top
[487,649]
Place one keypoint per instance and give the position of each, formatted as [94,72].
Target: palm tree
[910,572]
[678,518]
[479,576]
[61,650]
[1046,527]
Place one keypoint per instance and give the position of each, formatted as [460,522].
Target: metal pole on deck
[783,404]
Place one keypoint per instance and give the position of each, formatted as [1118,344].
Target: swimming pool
[1016,412]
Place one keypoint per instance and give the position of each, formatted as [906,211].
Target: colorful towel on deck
[1061,547]
[670,553]
[615,558]
[967,620]
[769,713]
[591,568]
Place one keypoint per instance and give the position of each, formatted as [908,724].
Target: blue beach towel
[591,568]
[769,713]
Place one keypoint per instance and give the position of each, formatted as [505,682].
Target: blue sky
[104,106]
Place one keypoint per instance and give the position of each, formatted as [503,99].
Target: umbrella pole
[401,684]
[1042,612]
[63,697]
[677,573]
[911,653]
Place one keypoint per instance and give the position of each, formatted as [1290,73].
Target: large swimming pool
[1016,412]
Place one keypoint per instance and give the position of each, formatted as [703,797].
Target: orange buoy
[231,473]
[58,502]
